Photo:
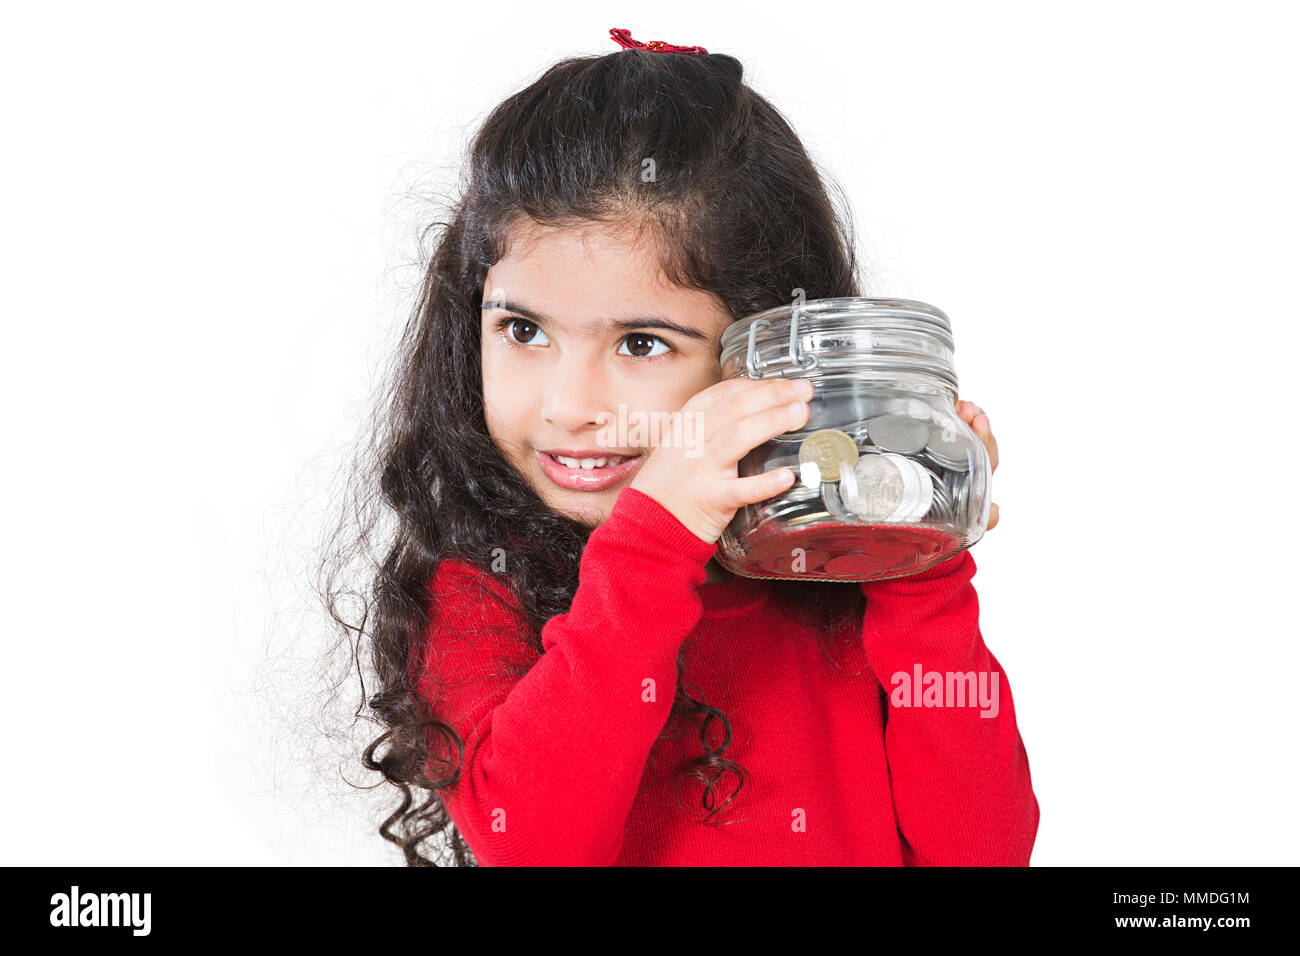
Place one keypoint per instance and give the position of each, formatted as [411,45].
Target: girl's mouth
[589,473]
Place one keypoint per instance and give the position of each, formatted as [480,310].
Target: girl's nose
[575,396]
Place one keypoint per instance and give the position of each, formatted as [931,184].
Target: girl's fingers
[978,420]
[742,404]
[985,433]
[993,516]
[721,391]
[968,411]
[748,491]
[735,439]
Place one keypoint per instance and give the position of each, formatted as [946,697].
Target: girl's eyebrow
[621,325]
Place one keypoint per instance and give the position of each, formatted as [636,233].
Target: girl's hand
[975,417]
[699,485]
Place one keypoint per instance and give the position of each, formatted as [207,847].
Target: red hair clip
[624,39]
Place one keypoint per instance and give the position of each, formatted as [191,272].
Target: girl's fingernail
[796,410]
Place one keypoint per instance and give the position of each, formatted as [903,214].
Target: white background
[210,220]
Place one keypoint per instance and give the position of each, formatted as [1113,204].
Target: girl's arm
[554,758]
[959,774]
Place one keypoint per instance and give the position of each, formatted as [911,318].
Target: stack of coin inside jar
[890,480]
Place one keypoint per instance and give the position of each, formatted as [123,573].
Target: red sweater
[563,762]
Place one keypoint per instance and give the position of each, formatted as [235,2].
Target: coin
[918,495]
[800,489]
[942,500]
[880,487]
[949,451]
[848,482]
[836,494]
[801,492]
[901,434]
[829,448]
[803,519]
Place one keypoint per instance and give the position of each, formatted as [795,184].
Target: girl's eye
[525,332]
[637,344]
[641,345]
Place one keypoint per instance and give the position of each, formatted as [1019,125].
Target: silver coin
[837,505]
[950,451]
[840,496]
[946,464]
[900,434]
[917,490]
[848,482]
[942,510]
[790,514]
[959,490]
[801,492]
[801,489]
[880,487]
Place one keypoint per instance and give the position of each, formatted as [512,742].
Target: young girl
[567,675]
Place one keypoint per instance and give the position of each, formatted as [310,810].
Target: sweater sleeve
[959,774]
[556,743]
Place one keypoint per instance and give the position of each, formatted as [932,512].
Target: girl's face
[578,321]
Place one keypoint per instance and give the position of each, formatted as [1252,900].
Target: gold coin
[829,448]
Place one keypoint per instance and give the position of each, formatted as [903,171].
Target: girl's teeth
[588,463]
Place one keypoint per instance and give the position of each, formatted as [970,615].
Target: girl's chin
[588,508]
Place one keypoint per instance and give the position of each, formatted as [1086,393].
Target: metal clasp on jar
[794,358]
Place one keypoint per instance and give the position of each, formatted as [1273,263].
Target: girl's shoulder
[453,576]
[459,590]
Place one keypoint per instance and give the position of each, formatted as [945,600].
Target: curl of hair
[733,205]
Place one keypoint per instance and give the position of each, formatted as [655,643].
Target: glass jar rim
[844,335]
[930,318]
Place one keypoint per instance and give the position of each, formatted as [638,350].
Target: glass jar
[890,480]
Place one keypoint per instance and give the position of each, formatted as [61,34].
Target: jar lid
[845,334]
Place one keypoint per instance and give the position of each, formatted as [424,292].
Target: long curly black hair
[735,206]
